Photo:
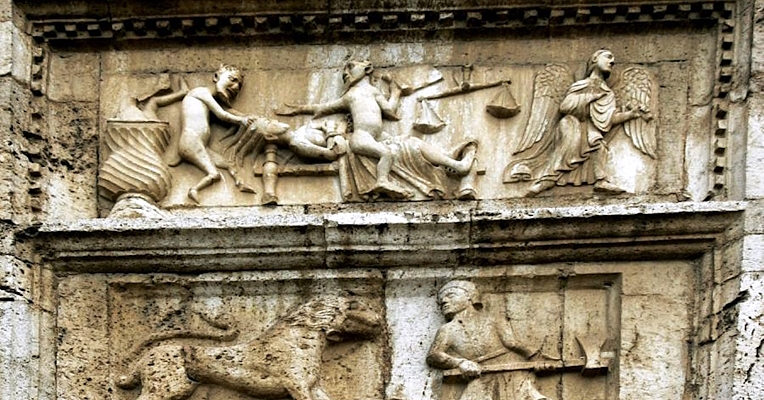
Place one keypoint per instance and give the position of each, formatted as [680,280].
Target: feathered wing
[549,87]
[635,89]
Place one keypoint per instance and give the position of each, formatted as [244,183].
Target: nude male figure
[367,106]
[195,134]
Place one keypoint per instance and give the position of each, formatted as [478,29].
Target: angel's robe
[580,150]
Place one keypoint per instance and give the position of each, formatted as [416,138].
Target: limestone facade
[381,200]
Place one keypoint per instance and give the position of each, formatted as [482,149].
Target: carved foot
[464,165]
[604,186]
[270,199]
[244,188]
[193,194]
[467,194]
[539,187]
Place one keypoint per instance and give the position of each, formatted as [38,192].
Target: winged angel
[565,141]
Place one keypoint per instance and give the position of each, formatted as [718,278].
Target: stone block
[722,368]
[82,323]
[754,155]
[74,77]
[753,254]
[22,56]
[16,279]
[726,295]
[749,364]
[6,47]
[754,217]
[19,350]
[728,264]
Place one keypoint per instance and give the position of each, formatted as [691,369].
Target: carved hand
[247,121]
[469,369]
[339,145]
[290,109]
[645,114]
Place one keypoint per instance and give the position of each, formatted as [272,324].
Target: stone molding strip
[464,237]
[325,23]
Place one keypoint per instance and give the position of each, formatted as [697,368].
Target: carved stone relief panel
[552,332]
[260,336]
[307,124]
[556,331]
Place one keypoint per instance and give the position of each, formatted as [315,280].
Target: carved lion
[284,362]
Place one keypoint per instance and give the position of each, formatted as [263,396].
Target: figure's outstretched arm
[319,110]
[205,97]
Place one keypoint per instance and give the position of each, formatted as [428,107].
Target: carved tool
[428,121]
[465,87]
[415,78]
[593,362]
[503,104]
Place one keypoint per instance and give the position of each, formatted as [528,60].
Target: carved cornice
[326,23]
[466,235]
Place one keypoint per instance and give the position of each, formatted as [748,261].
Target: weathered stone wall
[672,274]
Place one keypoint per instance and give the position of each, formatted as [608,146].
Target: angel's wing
[634,91]
[549,86]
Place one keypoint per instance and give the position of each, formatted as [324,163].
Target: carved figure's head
[271,129]
[338,316]
[228,81]
[603,61]
[456,296]
[355,71]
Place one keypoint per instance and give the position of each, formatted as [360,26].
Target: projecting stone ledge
[462,234]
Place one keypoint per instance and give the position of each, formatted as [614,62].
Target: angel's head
[601,61]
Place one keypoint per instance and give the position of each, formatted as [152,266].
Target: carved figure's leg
[270,175]
[163,376]
[599,158]
[191,148]
[529,392]
[438,156]
[303,148]
[222,163]
[363,143]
